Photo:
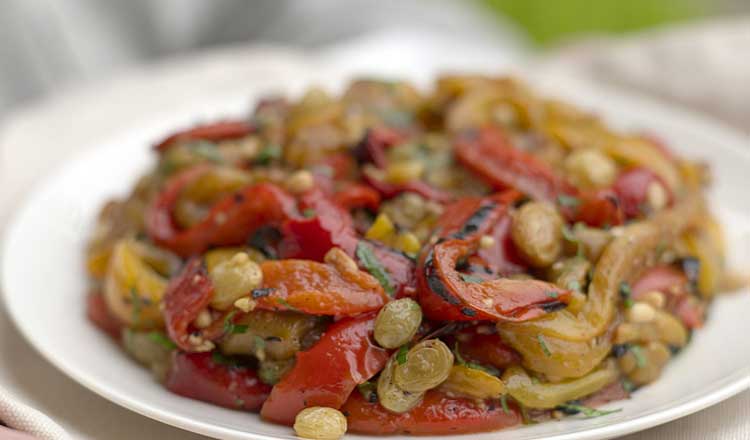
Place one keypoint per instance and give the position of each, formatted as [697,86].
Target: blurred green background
[552,21]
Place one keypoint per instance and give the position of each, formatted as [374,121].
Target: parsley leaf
[574,285]
[286,304]
[207,150]
[640,357]
[625,294]
[504,403]
[369,391]
[135,300]
[586,411]
[401,355]
[374,266]
[569,235]
[463,362]
[568,201]
[308,213]
[162,339]
[267,154]
[230,327]
[551,294]
[543,344]
[471,278]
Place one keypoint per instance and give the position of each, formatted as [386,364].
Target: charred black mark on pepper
[261,292]
[474,222]
[434,282]
[553,306]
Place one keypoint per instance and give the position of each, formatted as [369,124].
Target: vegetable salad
[392,261]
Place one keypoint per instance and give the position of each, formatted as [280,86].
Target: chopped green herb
[551,294]
[625,294]
[308,213]
[284,303]
[401,355]
[471,278]
[207,150]
[371,263]
[504,403]
[260,343]
[135,300]
[640,357]
[267,154]
[463,362]
[569,235]
[239,402]
[628,386]
[543,345]
[162,339]
[220,359]
[230,327]
[586,411]
[574,285]
[568,201]
[368,391]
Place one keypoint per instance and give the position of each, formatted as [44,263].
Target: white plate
[45,284]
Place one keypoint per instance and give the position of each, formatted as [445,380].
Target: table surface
[81,118]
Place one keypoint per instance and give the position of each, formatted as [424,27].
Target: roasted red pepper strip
[632,189]
[231,220]
[98,313]
[310,238]
[197,376]
[598,209]
[217,131]
[319,289]
[358,196]
[674,284]
[489,154]
[495,300]
[388,190]
[472,217]
[438,414]
[327,373]
[186,295]
[332,226]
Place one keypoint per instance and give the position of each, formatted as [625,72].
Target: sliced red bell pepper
[98,313]
[231,220]
[319,288]
[327,373]
[631,188]
[214,132]
[389,190]
[332,226]
[599,209]
[198,376]
[490,154]
[358,196]
[186,295]
[438,414]
[445,295]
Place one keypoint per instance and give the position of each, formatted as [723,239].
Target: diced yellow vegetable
[382,229]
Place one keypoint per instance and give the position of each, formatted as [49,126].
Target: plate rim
[737,382]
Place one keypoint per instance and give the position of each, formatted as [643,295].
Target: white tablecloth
[34,140]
